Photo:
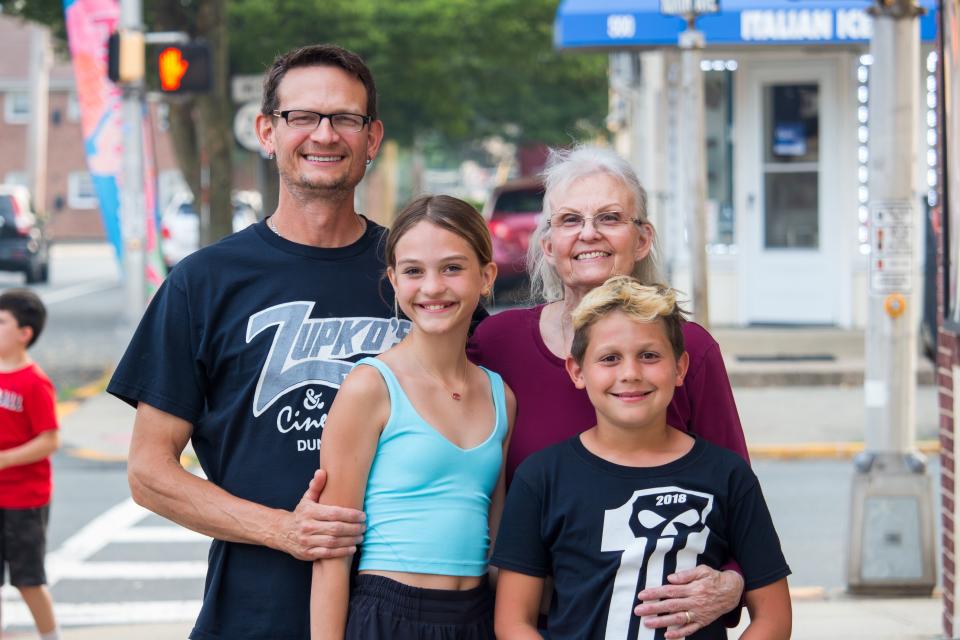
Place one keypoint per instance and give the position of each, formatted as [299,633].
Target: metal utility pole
[695,168]
[891,534]
[692,140]
[38,127]
[133,228]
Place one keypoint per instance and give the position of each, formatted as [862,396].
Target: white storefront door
[787,191]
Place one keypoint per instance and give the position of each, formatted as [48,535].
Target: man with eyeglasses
[244,346]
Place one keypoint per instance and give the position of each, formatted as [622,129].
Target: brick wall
[65,153]
[64,156]
[947,361]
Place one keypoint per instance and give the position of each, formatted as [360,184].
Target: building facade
[787,125]
[69,202]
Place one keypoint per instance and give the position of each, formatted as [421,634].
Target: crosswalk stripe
[71,561]
[96,535]
[159,535]
[107,613]
[131,570]
[76,291]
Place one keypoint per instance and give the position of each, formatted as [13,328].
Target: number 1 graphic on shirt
[646,528]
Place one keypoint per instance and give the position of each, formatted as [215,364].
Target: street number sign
[689,7]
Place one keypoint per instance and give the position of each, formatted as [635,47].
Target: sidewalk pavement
[829,619]
[799,392]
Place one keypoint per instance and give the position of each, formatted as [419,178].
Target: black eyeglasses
[341,122]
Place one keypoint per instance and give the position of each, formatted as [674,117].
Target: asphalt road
[113,563]
[86,331]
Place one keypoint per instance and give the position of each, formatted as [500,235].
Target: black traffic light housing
[183,68]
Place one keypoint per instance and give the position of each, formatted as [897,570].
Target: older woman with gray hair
[594,225]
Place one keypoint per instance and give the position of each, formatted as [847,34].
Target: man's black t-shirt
[249,340]
[605,532]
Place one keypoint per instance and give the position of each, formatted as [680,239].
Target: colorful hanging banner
[156,270]
[89,25]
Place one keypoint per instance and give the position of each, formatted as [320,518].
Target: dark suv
[512,212]
[23,245]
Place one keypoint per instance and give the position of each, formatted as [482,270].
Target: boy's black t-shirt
[248,340]
[606,531]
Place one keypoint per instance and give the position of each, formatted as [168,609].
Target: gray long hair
[563,167]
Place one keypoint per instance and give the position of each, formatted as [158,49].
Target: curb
[797,451]
[79,394]
[840,594]
[77,397]
[824,450]
[759,376]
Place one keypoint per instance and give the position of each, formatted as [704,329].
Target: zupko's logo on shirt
[309,351]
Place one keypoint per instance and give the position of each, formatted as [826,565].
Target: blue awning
[616,24]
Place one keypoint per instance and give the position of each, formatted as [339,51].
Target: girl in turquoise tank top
[417,439]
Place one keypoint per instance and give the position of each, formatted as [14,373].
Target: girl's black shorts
[384,608]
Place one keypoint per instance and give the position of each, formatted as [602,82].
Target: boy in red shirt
[28,436]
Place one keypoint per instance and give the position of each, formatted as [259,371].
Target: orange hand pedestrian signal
[184,68]
[172,68]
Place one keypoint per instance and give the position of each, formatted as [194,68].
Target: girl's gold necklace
[456,395]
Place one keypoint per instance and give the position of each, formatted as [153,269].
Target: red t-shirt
[27,409]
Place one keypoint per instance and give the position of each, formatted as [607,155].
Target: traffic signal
[125,56]
[184,68]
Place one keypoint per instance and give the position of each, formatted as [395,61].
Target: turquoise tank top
[427,500]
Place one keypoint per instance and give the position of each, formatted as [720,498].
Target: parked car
[180,224]
[511,212]
[23,243]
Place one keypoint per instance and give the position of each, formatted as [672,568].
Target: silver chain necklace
[273,225]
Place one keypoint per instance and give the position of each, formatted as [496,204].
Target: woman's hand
[693,599]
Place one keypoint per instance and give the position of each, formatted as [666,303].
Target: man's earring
[369,160]
[271,155]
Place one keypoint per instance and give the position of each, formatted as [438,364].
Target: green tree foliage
[447,70]
[458,68]
[48,12]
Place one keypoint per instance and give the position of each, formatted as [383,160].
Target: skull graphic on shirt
[657,531]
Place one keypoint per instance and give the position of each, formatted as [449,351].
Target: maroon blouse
[550,408]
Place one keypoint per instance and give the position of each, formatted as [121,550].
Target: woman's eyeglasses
[606,222]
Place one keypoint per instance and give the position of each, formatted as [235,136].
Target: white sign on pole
[891,247]
[245,126]
[246,88]
[689,7]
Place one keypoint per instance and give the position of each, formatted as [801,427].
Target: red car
[511,213]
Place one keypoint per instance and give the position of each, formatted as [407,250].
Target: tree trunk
[183,133]
[216,115]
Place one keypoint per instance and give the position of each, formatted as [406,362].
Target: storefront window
[791,166]
[718,96]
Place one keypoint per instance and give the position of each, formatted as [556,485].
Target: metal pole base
[891,526]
